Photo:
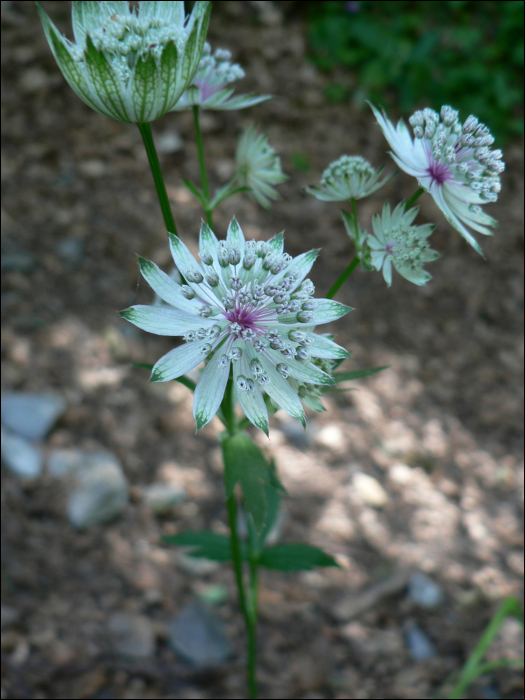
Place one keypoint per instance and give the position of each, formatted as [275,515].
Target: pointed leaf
[210,390]
[105,83]
[205,544]
[144,90]
[327,311]
[295,556]
[164,321]
[178,362]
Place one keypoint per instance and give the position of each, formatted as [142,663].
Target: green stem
[346,274]
[202,164]
[414,197]
[249,619]
[147,137]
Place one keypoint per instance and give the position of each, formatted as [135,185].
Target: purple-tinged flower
[451,161]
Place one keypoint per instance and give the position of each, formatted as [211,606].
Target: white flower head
[130,64]
[451,161]
[210,85]
[258,167]
[397,242]
[349,177]
[247,306]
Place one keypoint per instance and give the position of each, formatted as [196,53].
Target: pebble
[162,497]
[197,635]
[31,415]
[331,437]
[132,635]
[419,644]
[424,592]
[20,456]
[99,489]
[71,250]
[370,490]
[8,616]
[169,142]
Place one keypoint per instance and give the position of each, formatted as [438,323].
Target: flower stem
[249,618]
[147,137]
[346,274]
[202,164]
[414,197]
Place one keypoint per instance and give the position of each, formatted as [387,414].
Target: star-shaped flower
[451,161]
[249,307]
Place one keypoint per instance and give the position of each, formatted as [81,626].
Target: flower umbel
[398,242]
[451,161]
[247,306]
[130,65]
[258,167]
[209,86]
[346,178]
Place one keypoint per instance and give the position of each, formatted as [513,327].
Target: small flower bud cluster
[215,71]
[349,177]
[345,168]
[465,149]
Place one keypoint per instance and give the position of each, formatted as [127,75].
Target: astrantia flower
[130,65]
[451,161]
[399,243]
[209,86]
[247,306]
[258,167]
[346,178]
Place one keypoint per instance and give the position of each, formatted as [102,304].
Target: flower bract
[397,242]
[210,85]
[349,177]
[130,64]
[248,306]
[451,161]
[258,166]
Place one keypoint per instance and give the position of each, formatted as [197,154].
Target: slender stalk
[414,197]
[249,619]
[248,607]
[346,274]
[147,137]
[202,163]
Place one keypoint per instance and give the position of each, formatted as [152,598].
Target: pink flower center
[439,172]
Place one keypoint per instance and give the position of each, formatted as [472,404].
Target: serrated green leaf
[197,193]
[358,374]
[295,556]
[273,490]
[245,463]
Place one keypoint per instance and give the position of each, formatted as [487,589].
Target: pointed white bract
[451,161]
[130,64]
[397,242]
[258,167]
[210,85]
[349,177]
[247,306]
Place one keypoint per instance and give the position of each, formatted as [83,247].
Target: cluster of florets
[399,243]
[258,166]
[215,71]
[462,151]
[349,177]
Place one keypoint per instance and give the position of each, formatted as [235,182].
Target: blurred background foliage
[417,54]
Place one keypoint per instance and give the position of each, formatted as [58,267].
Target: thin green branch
[346,274]
[147,137]
[202,165]
[414,197]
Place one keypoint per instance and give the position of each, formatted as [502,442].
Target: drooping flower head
[346,178]
[209,86]
[130,64]
[451,161]
[248,306]
[258,167]
[397,242]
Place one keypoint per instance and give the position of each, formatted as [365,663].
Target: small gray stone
[424,592]
[162,497]
[197,635]
[100,493]
[419,644]
[71,250]
[31,415]
[9,616]
[132,635]
[20,456]
[169,142]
